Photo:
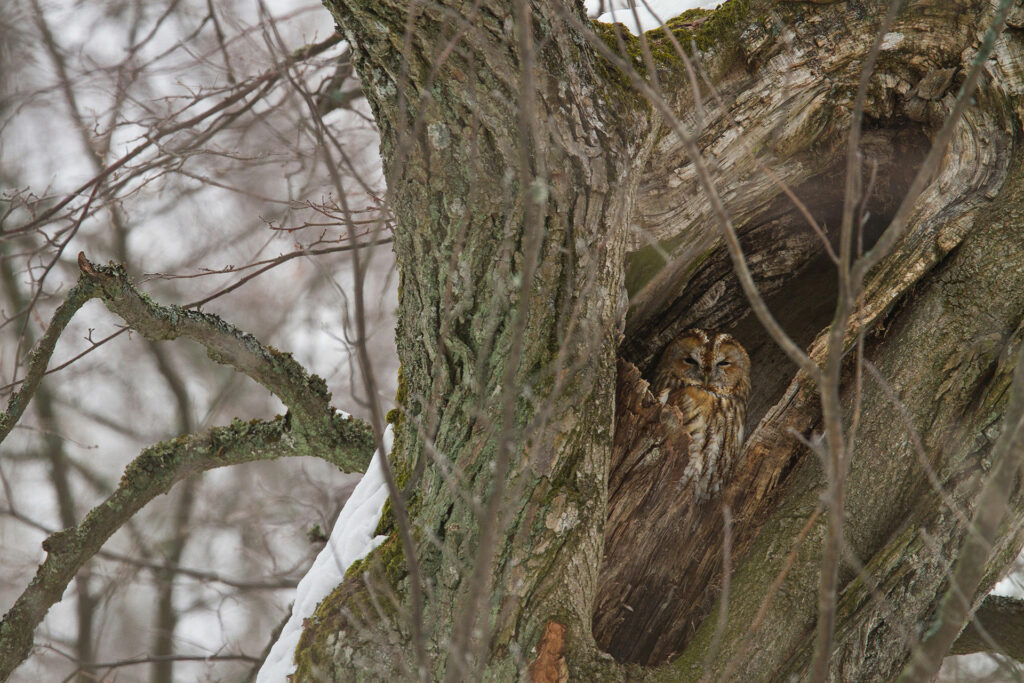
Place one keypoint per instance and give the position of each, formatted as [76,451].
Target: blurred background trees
[192,115]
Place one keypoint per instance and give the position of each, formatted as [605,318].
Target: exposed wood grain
[549,666]
[645,600]
[910,93]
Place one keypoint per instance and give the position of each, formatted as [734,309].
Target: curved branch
[1002,618]
[83,290]
[154,472]
[305,395]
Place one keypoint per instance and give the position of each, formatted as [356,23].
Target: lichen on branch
[312,428]
[305,395]
[152,473]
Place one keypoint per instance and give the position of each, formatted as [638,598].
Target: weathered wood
[783,253]
[650,519]
[787,87]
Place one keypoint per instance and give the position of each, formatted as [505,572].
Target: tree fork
[448,138]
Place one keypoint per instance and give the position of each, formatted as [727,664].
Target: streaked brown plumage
[707,376]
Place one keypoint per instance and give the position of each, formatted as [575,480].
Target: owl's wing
[664,383]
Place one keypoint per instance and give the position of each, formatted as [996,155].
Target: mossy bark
[506,255]
[948,358]
[511,239]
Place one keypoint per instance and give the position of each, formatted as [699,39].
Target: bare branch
[305,395]
[152,473]
[84,290]
[258,85]
[198,574]
[1002,617]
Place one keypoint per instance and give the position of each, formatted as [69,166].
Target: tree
[519,149]
[436,128]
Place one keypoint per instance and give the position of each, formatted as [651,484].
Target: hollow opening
[789,264]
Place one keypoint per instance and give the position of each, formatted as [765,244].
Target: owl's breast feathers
[706,375]
[715,425]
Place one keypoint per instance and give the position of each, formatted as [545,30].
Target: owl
[706,375]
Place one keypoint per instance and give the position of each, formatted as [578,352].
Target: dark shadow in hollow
[662,565]
[789,265]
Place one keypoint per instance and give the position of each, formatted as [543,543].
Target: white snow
[651,13]
[352,539]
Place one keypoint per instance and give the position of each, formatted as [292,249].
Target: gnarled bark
[511,176]
[514,165]
[787,262]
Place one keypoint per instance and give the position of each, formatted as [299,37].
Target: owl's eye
[692,361]
[723,363]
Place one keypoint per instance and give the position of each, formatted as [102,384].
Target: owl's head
[713,361]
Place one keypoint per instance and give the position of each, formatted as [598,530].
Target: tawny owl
[707,376]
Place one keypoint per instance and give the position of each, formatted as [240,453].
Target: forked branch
[311,428]
[305,395]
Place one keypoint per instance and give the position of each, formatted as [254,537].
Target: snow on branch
[153,472]
[352,539]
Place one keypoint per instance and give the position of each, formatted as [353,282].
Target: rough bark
[948,359]
[649,521]
[943,313]
[787,260]
[511,175]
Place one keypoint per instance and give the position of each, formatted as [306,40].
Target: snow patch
[351,540]
[1012,584]
[652,13]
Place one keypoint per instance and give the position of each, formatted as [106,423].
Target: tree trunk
[517,160]
[511,178]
